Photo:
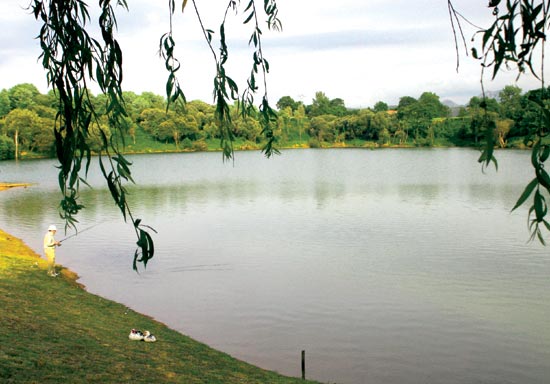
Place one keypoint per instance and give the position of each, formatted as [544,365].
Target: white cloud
[359,51]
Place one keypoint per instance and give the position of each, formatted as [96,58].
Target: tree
[338,107]
[150,120]
[530,119]
[380,124]
[23,96]
[322,128]
[43,140]
[380,107]
[510,102]
[486,103]
[502,127]
[320,105]
[301,120]
[7,150]
[203,115]
[287,101]
[148,100]
[483,113]
[405,101]
[431,106]
[5,105]
[517,34]
[168,130]
[418,115]
[19,125]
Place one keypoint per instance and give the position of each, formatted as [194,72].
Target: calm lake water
[386,266]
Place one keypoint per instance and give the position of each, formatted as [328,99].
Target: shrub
[248,145]
[200,145]
[7,148]
[314,143]
[186,143]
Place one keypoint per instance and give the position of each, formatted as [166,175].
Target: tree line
[27,120]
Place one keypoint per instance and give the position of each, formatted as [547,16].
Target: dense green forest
[27,120]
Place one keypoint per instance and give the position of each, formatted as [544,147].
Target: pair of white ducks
[145,336]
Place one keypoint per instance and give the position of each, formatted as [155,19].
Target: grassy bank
[53,331]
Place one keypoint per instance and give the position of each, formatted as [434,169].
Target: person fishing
[49,249]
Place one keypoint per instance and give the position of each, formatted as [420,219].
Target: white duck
[135,335]
[148,338]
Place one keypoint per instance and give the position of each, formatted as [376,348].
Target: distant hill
[449,103]
[455,108]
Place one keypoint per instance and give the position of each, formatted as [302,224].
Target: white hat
[52,228]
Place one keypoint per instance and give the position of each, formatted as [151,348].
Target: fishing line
[79,232]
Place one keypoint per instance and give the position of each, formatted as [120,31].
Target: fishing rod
[79,232]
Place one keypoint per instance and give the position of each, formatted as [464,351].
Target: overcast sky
[361,51]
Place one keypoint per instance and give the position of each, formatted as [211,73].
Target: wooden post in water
[303,365]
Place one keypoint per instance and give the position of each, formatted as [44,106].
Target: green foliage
[314,143]
[288,102]
[5,105]
[404,103]
[186,143]
[517,33]
[20,125]
[226,90]
[380,107]
[150,128]
[7,148]
[322,105]
[200,145]
[504,43]
[23,96]
[539,185]
[510,102]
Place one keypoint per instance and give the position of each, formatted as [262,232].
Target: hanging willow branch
[226,90]
[515,39]
[71,58]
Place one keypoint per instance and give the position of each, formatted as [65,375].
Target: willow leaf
[526,193]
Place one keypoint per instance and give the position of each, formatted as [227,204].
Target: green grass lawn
[53,331]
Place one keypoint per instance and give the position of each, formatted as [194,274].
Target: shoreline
[4,185]
[85,336]
[60,318]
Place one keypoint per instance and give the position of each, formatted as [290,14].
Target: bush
[7,148]
[187,143]
[314,143]
[200,146]
[248,145]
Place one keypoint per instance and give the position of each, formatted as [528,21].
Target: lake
[385,266]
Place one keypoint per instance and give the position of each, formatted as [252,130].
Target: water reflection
[423,192]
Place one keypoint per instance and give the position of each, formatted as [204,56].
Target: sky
[361,51]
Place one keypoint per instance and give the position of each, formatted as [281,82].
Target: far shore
[4,186]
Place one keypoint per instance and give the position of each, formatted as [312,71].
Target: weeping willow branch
[226,90]
[505,45]
[71,58]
